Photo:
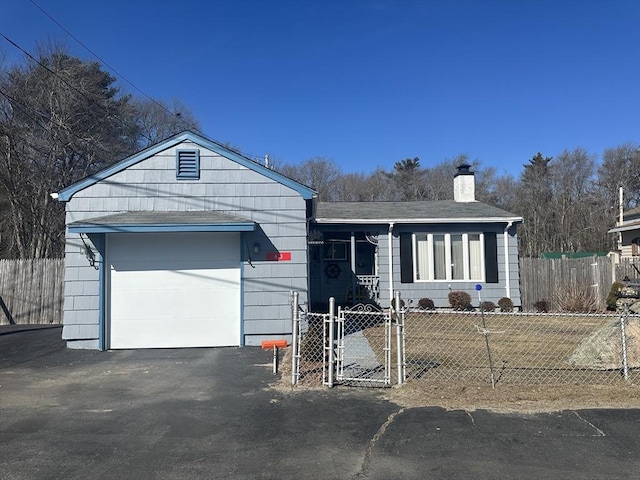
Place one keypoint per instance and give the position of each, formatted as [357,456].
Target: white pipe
[332,319]
[507,276]
[390,246]
[294,338]
[621,215]
[625,368]
[399,333]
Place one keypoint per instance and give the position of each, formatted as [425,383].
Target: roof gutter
[361,221]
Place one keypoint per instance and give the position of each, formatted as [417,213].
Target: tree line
[568,202]
[63,118]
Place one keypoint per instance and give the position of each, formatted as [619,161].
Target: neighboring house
[190,244]
[437,247]
[628,231]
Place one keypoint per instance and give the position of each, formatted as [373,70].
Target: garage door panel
[151,332]
[188,296]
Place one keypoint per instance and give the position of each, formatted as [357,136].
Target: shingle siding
[225,186]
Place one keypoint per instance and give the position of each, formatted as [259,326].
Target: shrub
[460,300]
[487,306]
[393,303]
[541,306]
[613,295]
[426,304]
[505,304]
[576,298]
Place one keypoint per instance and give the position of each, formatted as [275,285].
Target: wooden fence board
[32,290]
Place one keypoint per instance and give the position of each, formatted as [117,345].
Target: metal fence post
[400,312]
[295,358]
[623,319]
[329,344]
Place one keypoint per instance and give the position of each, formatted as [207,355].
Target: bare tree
[359,187]
[319,173]
[156,120]
[621,168]
[61,119]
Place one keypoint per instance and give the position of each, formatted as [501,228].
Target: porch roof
[443,211]
[626,226]
[153,222]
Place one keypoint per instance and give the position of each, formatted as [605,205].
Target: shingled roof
[445,211]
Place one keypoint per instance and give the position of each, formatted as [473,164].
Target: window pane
[422,260]
[475,257]
[439,258]
[457,258]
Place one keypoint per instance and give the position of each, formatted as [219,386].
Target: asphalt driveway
[209,413]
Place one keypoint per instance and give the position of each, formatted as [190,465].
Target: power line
[255,158]
[184,122]
[24,107]
[133,128]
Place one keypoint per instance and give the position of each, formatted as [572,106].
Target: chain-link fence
[520,349]
[465,348]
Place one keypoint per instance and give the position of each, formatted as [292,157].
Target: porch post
[507,260]
[354,279]
[390,255]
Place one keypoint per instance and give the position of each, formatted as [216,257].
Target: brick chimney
[464,184]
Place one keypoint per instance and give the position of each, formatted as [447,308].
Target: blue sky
[370,82]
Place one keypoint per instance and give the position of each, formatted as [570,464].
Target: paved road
[209,414]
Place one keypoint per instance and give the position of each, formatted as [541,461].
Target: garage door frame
[93,231]
[172,290]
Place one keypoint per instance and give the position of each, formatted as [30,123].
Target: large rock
[602,350]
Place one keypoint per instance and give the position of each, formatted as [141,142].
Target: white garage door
[172,290]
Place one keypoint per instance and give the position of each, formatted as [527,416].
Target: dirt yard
[532,358]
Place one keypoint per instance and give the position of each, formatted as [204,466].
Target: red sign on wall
[278,256]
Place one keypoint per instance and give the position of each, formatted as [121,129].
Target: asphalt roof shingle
[423,211]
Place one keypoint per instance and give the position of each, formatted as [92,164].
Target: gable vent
[188,164]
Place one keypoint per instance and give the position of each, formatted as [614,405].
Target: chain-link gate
[352,346]
[363,346]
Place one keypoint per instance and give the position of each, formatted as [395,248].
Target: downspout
[390,246]
[507,259]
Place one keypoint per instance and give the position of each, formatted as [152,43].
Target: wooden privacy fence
[542,279]
[31,291]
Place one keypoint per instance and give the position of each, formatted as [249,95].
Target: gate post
[295,318]
[329,355]
[399,312]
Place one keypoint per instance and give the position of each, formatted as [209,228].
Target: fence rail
[31,291]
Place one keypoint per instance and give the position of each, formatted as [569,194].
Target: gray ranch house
[366,251]
[190,244]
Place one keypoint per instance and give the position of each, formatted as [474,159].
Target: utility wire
[74,88]
[184,122]
[255,158]
[24,107]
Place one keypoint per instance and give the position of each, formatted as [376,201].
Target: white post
[625,367]
[330,345]
[507,263]
[390,255]
[294,340]
[399,334]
